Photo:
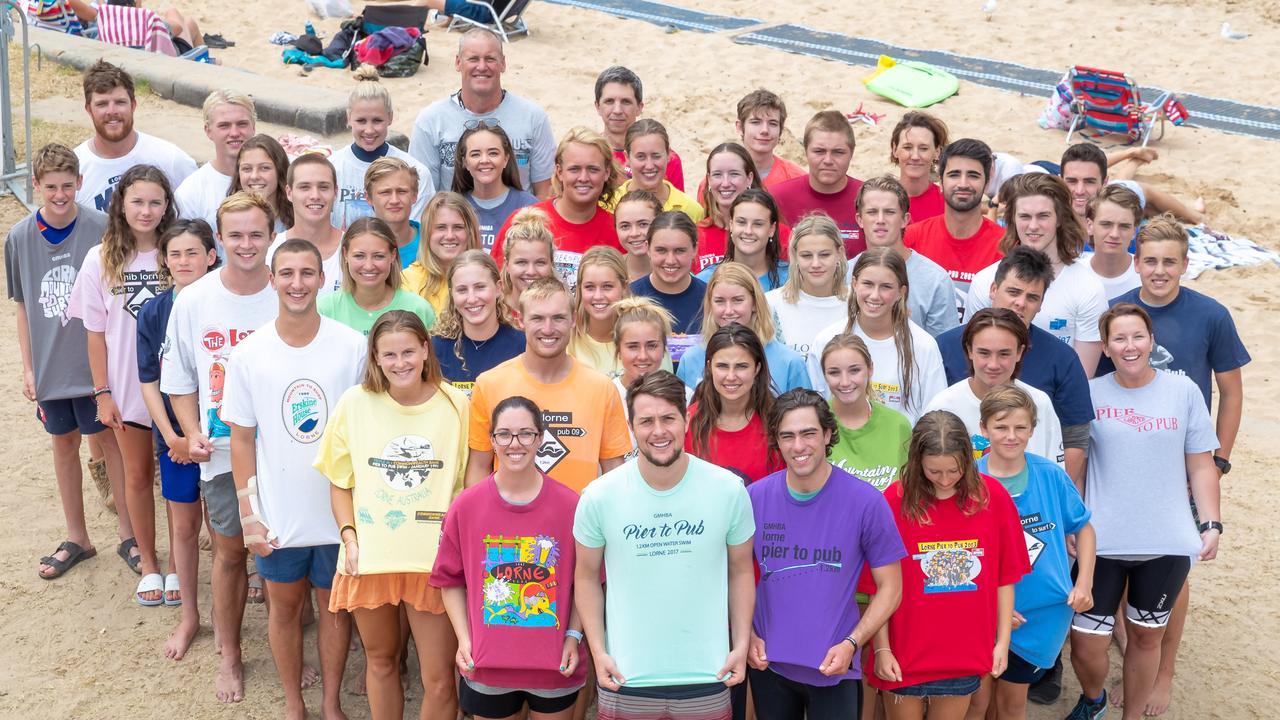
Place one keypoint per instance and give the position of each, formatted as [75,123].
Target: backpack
[406,62]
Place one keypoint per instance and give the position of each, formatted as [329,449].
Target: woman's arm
[1004,629]
[108,413]
[1205,489]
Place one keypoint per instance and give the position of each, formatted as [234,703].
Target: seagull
[1227,32]
[989,6]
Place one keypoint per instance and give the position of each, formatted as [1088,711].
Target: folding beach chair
[377,16]
[507,22]
[1108,103]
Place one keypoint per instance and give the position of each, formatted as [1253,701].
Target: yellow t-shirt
[404,465]
[584,416]
[676,200]
[602,357]
[414,279]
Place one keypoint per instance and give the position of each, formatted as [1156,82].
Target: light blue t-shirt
[1050,509]
[409,252]
[666,555]
[786,368]
[765,282]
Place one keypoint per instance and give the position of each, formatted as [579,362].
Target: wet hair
[54,158]
[773,246]
[758,100]
[799,399]
[640,309]
[385,167]
[118,242]
[1163,228]
[644,197]
[102,77]
[917,119]
[243,200]
[300,246]
[674,220]
[519,402]
[449,323]
[377,227]
[1070,236]
[1115,194]
[1027,264]
[621,76]
[1085,152]
[708,198]
[375,381]
[705,396]
[198,228]
[1001,319]
[583,136]
[643,127]
[884,183]
[940,434]
[832,121]
[463,182]
[735,273]
[899,315]
[1120,310]
[816,224]
[282,208]
[1004,399]
[975,150]
[660,384]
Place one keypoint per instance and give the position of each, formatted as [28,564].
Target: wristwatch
[1211,525]
[1224,465]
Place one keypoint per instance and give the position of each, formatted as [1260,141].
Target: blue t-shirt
[765,282]
[1050,509]
[153,319]
[1195,336]
[786,368]
[1049,365]
[477,357]
[409,253]
[492,218]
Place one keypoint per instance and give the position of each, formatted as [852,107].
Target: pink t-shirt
[516,563]
[796,197]
[112,309]
[927,204]
[675,168]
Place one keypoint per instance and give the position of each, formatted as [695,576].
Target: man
[209,319]
[804,649]
[482,101]
[828,148]
[312,185]
[586,430]
[673,533]
[282,384]
[619,102]
[1086,170]
[671,285]
[229,119]
[883,212]
[1111,219]
[116,146]
[961,240]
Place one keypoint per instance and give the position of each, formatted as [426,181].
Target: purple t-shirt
[811,553]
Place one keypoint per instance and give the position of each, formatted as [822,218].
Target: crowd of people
[791,445]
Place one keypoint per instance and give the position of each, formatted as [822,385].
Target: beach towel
[52,15]
[135,27]
[294,56]
[1214,250]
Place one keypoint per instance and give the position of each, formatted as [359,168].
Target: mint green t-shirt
[667,559]
[341,306]
[876,451]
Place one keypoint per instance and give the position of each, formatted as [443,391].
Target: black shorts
[484,705]
[1020,671]
[777,697]
[1153,587]
[181,45]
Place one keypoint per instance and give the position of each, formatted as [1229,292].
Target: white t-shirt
[102,174]
[1046,439]
[287,393]
[928,380]
[1072,305]
[332,265]
[351,204]
[1116,286]
[201,193]
[932,300]
[206,323]
[797,323]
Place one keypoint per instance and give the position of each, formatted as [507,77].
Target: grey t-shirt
[40,276]
[495,214]
[439,126]
[932,299]
[1137,481]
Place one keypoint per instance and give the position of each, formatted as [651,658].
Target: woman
[529,248]
[262,167]
[914,147]
[390,186]
[602,281]
[371,279]
[908,366]
[396,448]
[754,239]
[965,553]
[1039,215]
[814,294]
[648,149]
[1152,434]
[871,442]
[187,252]
[730,171]
[734,296]
[369,116]
[475,330]
[632,217]
[452,229]
[730,405]
[486,173]
[117,279]
[518,633]
[640,340]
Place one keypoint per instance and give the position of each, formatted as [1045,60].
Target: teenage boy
[762,116]
[312,186]
[828,148]
[116,146]
[230,118]
[586,429]
[210,318]
[282,383]
[807,630]
[619,102]
[883,213]
[671,285]
[673,533]
[1086,170]
[481,101]
[1111,218]
[42,255]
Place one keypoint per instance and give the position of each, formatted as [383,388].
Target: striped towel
[136,28]
[52,15]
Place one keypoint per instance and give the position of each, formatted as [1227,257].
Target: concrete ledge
[306,107]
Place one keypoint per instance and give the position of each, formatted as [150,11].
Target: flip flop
[133,561]
[75,554]
[171,586]
[255,583]
[151,582]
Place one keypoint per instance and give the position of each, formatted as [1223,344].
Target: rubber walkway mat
[1208,112]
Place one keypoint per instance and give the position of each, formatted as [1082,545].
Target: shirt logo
[304,411]
[55,292]
[950,566]
[406,462]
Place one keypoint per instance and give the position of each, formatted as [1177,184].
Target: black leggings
[777,698]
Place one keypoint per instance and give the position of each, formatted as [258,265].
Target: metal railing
[14,177]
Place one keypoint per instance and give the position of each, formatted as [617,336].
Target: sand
[80,648]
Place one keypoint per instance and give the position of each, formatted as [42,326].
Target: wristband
[575,634]
[880,650]
[344,529]
[100,391]
[849,639]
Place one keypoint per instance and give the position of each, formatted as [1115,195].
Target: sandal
[133,561]
[75,554]
[98,472]
[255,583]
[151,582]
[171,587]
[215,41]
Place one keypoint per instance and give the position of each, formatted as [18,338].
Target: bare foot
[1145,155]
[180,640]
[228,686]
[1161,694]
[1116,693]
[310,676]
[254,594]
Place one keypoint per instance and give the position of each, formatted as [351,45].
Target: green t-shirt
[876,451]
[1017,484]
[341,306]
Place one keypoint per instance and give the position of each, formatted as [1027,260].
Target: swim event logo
[304,410]
[553,450]
[950,566]
[406,462]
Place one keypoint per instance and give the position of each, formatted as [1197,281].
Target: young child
[1050,509]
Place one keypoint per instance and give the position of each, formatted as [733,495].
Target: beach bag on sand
[1057,113]
[406,62]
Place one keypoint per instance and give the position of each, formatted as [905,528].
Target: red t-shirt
[516,563]
[927,204]
[950,577]
[572,239]
[713,243]
[675,169]
[742,450]
[961,258]
[796,197]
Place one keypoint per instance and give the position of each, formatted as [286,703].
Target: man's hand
[735,668]
[838,659]
[755,653]
[199,448]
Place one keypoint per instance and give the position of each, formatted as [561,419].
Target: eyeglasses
[503,438]
[487,123]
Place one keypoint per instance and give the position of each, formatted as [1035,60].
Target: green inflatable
[912,84]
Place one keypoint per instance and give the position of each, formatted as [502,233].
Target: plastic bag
[1057,113]
[331,8]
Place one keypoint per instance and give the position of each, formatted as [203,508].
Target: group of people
[793,444]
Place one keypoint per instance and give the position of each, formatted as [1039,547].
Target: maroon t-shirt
[797,197]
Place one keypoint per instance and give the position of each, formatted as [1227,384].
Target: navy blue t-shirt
[505,344]
[1049,365]
[685,307]
[153,319]
[1195,336]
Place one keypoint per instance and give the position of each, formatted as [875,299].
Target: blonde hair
[1004,399]
[242,200]
[598,256]
[542,289]
[377,227]
[385,167]
[735,273]
[434,278]
[584,136]
[368,88]
[640,309]
[1163,228]
[850,341]
[228,97]
[821,225]
[529,224]
[54,158]
[899,314]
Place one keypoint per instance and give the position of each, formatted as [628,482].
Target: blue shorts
[60,417]
[317,563]
[951,687]
[1020,671]
[178,483]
